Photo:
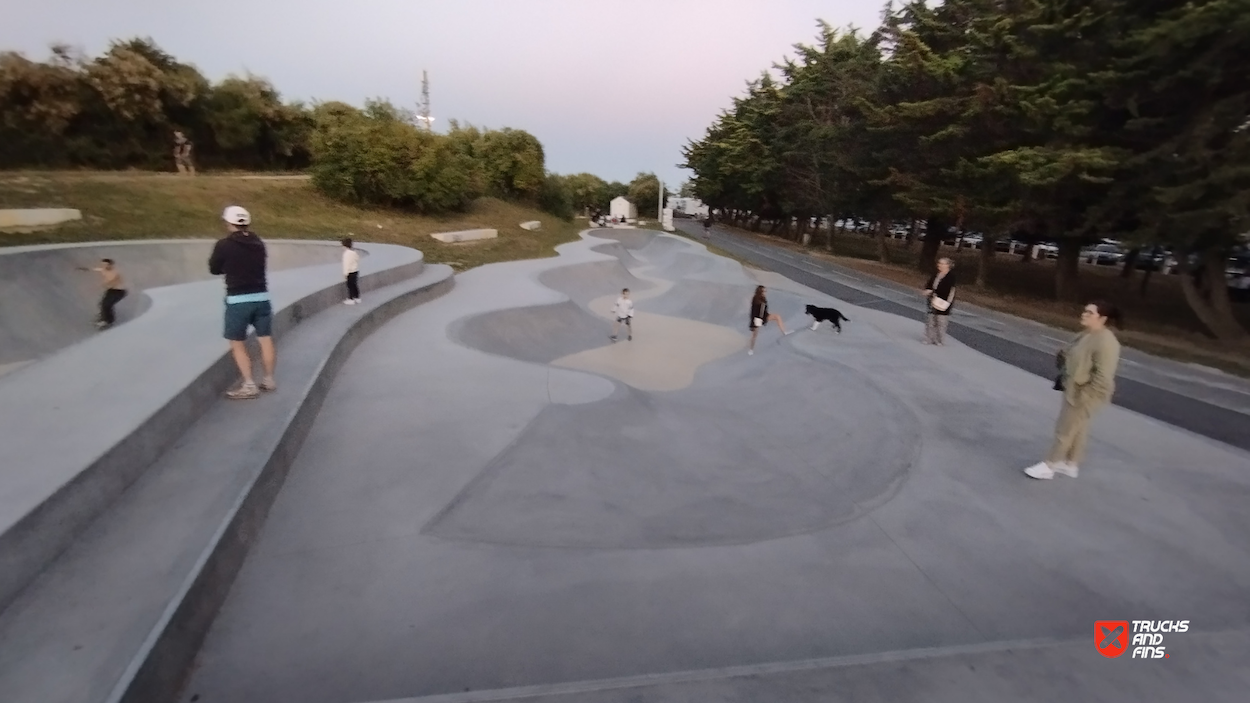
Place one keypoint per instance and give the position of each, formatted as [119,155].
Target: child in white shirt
[623,311]
[351,271]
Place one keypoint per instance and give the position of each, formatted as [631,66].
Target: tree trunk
[912,233]
[757,223]
[1211,304]
[883,247]
[829,234]
[1067,283]
[1130,265]
[934,232]
[1027,256]
[984,261]
[1145,281]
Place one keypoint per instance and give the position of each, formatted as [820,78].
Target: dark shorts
[239,316]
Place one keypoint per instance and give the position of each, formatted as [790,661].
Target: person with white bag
[760,317]
[940,292]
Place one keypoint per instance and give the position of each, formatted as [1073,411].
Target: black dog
[831,314]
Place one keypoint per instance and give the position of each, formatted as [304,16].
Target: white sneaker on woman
[1066,468]
[1040,470]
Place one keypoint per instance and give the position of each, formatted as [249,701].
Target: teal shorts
[256,314]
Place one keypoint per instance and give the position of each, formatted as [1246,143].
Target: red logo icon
[1111,637]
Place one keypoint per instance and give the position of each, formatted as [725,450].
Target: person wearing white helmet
[241,258]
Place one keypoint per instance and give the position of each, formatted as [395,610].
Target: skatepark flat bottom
[470,514]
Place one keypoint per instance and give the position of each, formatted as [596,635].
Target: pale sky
[609,87]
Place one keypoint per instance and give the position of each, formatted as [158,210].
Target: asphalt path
[1188,413]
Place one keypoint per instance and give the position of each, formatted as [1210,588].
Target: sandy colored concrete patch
[663,356]
[665,352]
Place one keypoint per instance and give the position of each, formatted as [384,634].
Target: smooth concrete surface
[82,424]
[531,225]
[453,525]
[24,218]
[120,614]
[467,235]
[1020,672]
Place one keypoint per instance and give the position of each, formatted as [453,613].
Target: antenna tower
[423,108]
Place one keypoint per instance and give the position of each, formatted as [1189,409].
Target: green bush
[556,197]
[377,157]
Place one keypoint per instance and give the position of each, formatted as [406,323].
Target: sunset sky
[609,87]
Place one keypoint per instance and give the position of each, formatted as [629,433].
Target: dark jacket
[759,308]
[241,257]
[943,291]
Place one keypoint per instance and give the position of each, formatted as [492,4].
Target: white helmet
[237,216]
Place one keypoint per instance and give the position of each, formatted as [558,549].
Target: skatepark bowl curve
[495,501]
[46,300]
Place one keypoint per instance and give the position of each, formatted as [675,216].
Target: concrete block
[467,235]
[531,225]
[37,217]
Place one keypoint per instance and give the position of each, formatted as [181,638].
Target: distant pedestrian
[241,257]
[707,227]
[351,272]
[939,291]
[760,317]
[114,291]
[182,154]
[1087,379]
[623,312]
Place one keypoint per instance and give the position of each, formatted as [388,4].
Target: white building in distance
[622,209]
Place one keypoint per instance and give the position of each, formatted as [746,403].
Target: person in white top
[623,311]
[351,271]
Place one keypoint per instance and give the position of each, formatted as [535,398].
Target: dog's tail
[844,317]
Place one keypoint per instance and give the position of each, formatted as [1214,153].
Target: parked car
[1153,259]
[971,240]
[1103,255]
[1047,251]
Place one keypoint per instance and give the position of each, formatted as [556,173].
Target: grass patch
[1159,323]
[133,205]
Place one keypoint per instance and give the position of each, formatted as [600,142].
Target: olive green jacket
[1089,366]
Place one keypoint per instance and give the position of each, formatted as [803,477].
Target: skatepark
[463,490]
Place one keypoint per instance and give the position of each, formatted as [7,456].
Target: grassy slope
[1160,323]
[145,205]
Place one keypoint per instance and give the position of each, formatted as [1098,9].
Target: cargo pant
[1072,432]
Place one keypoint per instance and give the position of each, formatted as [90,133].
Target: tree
[512,162]
[644,193]
[376,156]
[587,190]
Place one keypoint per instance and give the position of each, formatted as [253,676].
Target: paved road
[1207,418]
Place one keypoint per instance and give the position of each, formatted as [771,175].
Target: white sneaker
[1040,470]
[349,301]
[357,300]
[750,352]
[815,326]
[1067,468]
[246,391]
[788,333]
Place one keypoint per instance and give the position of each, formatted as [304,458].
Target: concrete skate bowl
[46,305]
[586,282]
[750,448]
[752,452]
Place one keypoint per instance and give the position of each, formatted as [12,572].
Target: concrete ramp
[46,305]
[586,282]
